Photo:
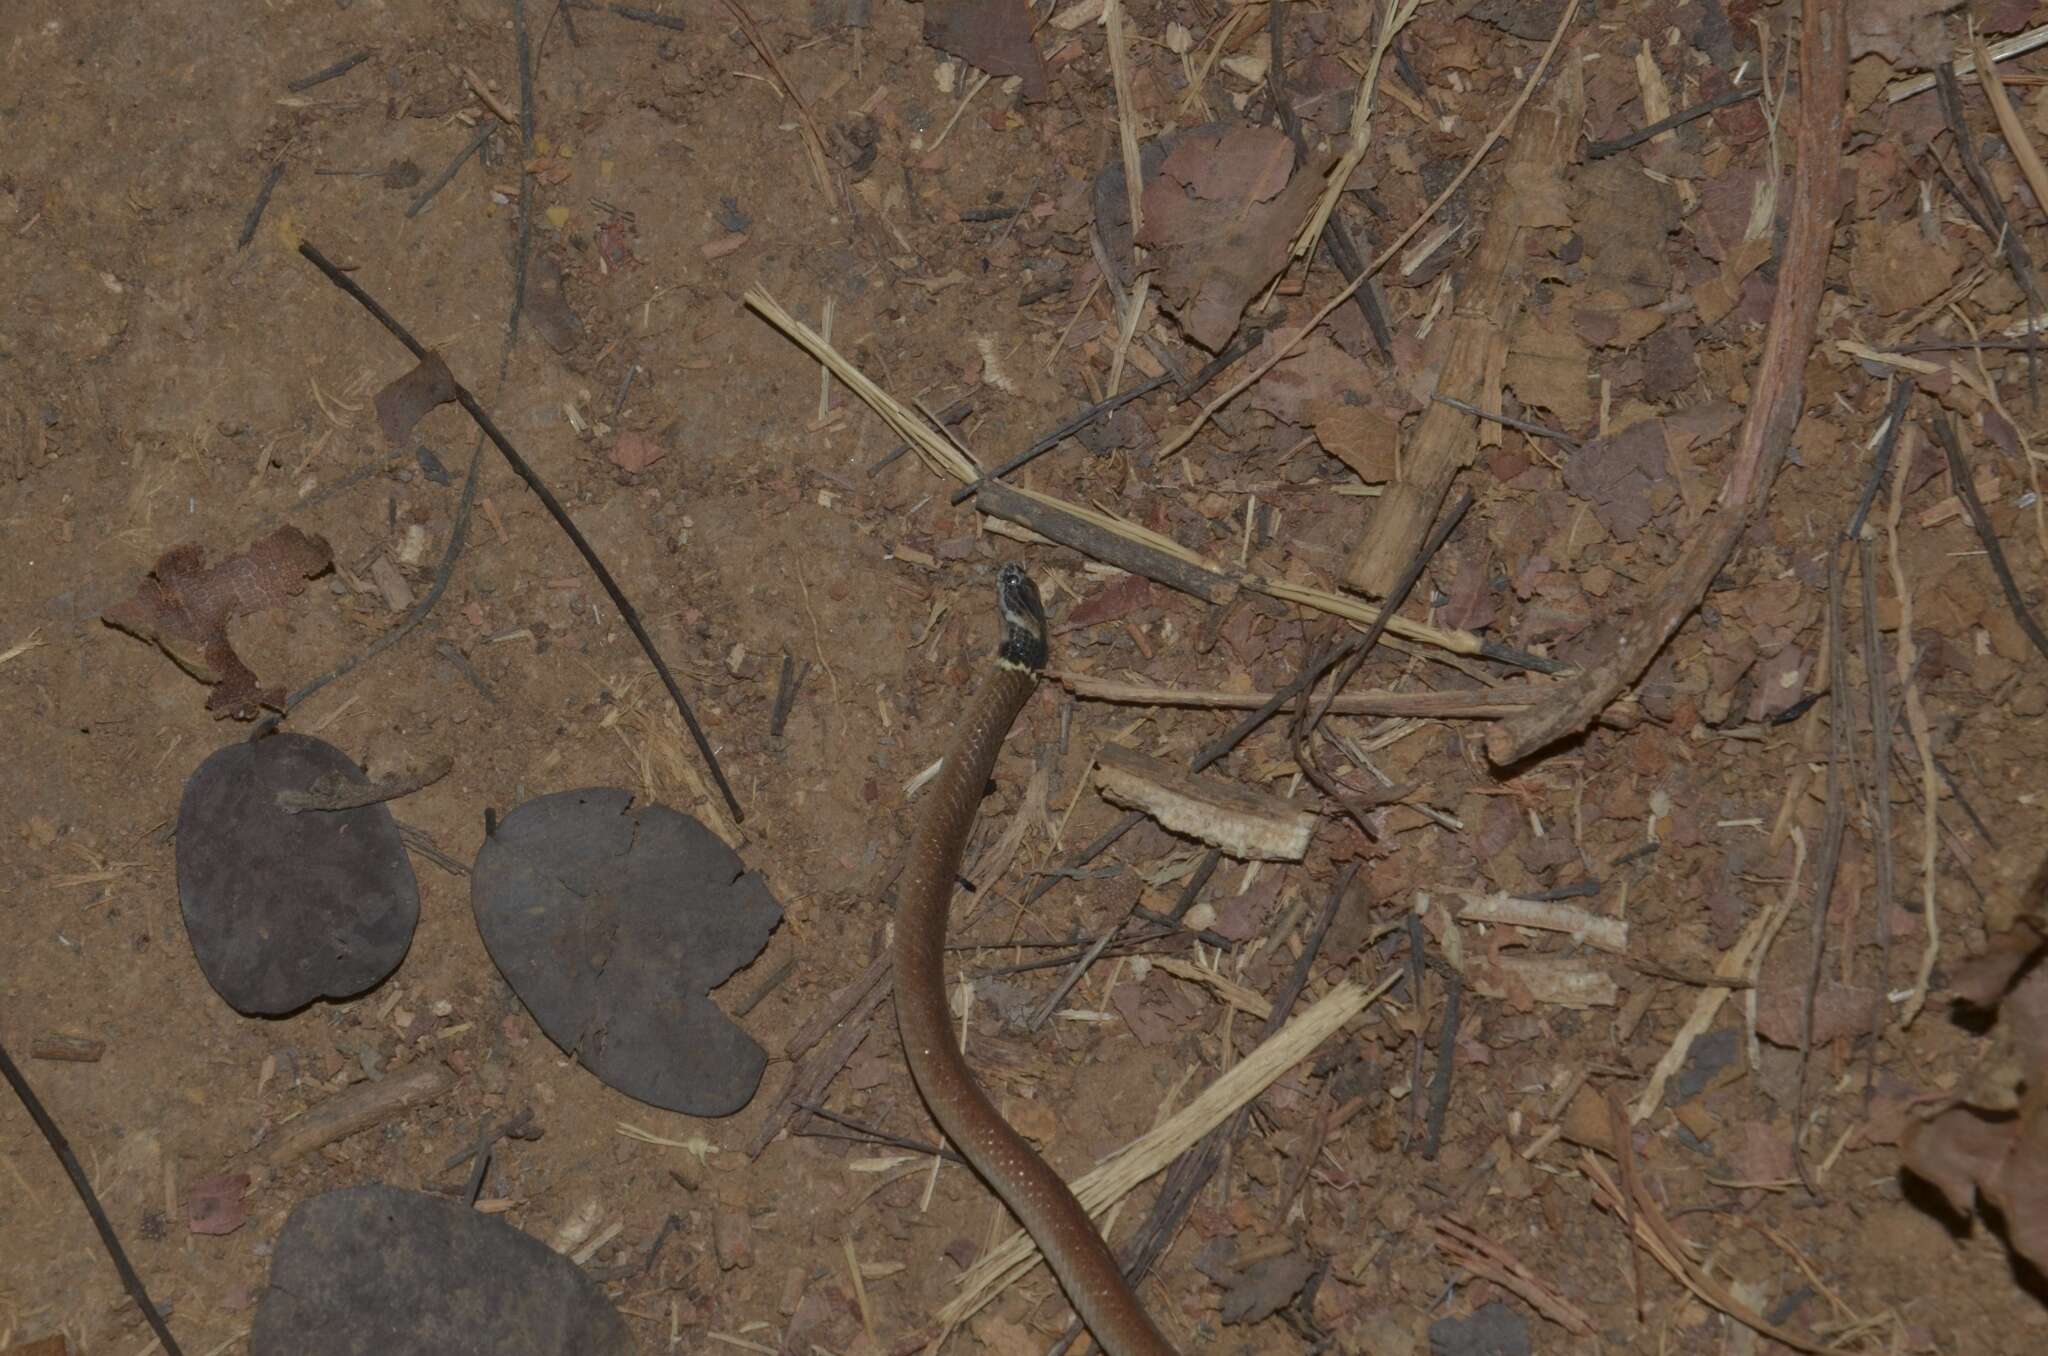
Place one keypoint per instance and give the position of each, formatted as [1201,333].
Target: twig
[1834,821]
[1564,440]
[952,416]
[112,1242]
[766,987]
[1888,440]
[813,139]
[1880,792]
[1188,895]
[1354,655]
[875,1136]
[786,685]
[1337,241]
[1775,403]
[1446,1060]
[255,217]
[1418,976]
[1966,491]
[1322,313]
[2003,230]
[1923,742]
[1600,150]
[440,181]
[555,510]
[1101,409]
[326,73]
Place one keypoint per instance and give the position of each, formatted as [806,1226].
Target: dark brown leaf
[410,398]
[993,35]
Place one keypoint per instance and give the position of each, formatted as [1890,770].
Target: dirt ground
[162,384]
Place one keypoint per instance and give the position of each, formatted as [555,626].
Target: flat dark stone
[613,922]
[376,1271]
[286,908]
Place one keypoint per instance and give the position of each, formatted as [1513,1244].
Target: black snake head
[1023,644]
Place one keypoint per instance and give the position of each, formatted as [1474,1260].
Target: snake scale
[1094,1284]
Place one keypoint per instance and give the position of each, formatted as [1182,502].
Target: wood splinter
[1248,825]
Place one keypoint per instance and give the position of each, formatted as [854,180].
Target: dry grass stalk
[1908,659]
[934,450]
[1288,342]
[1662,1242]
[1117,1176]
[1244,999]
[1225,31]
[2009,124]
[1475,1252]
[1359,136]
[1734,964]
[1126,123]
[943,457]
[813,139]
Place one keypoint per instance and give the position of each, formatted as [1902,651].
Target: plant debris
[184,606]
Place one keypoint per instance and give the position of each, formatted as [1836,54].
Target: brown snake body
[1006,1161]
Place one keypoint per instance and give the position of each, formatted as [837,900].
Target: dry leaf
[635,452]
[994,35]
[408,399]
[184,607]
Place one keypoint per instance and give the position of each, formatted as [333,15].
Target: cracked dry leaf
[183,606]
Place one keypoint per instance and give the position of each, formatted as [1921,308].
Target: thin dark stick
[1088,957]
[440,181]
[1446,1061]
[1081,419]
[1336,241]
[1073,424]
[1966,490]
[952,416]
[1835,820]
[873,1136]
[1569,443]
[1185,1180]
[79,1182]
[1741,94]
[1880,791]
[457,535]
[1953,345]
[2007,235]
[524,52]
[1353,655]
[786,686]
[255,217]
[1895,419]
[767,986]
[555,511]
[1418,975]
[486,1139]
[619,402]
[326,73]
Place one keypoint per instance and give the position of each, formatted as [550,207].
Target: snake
[1025,1182]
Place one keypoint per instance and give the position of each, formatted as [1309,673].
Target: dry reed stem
[813,139]
[1287,344]
[1118,1175]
